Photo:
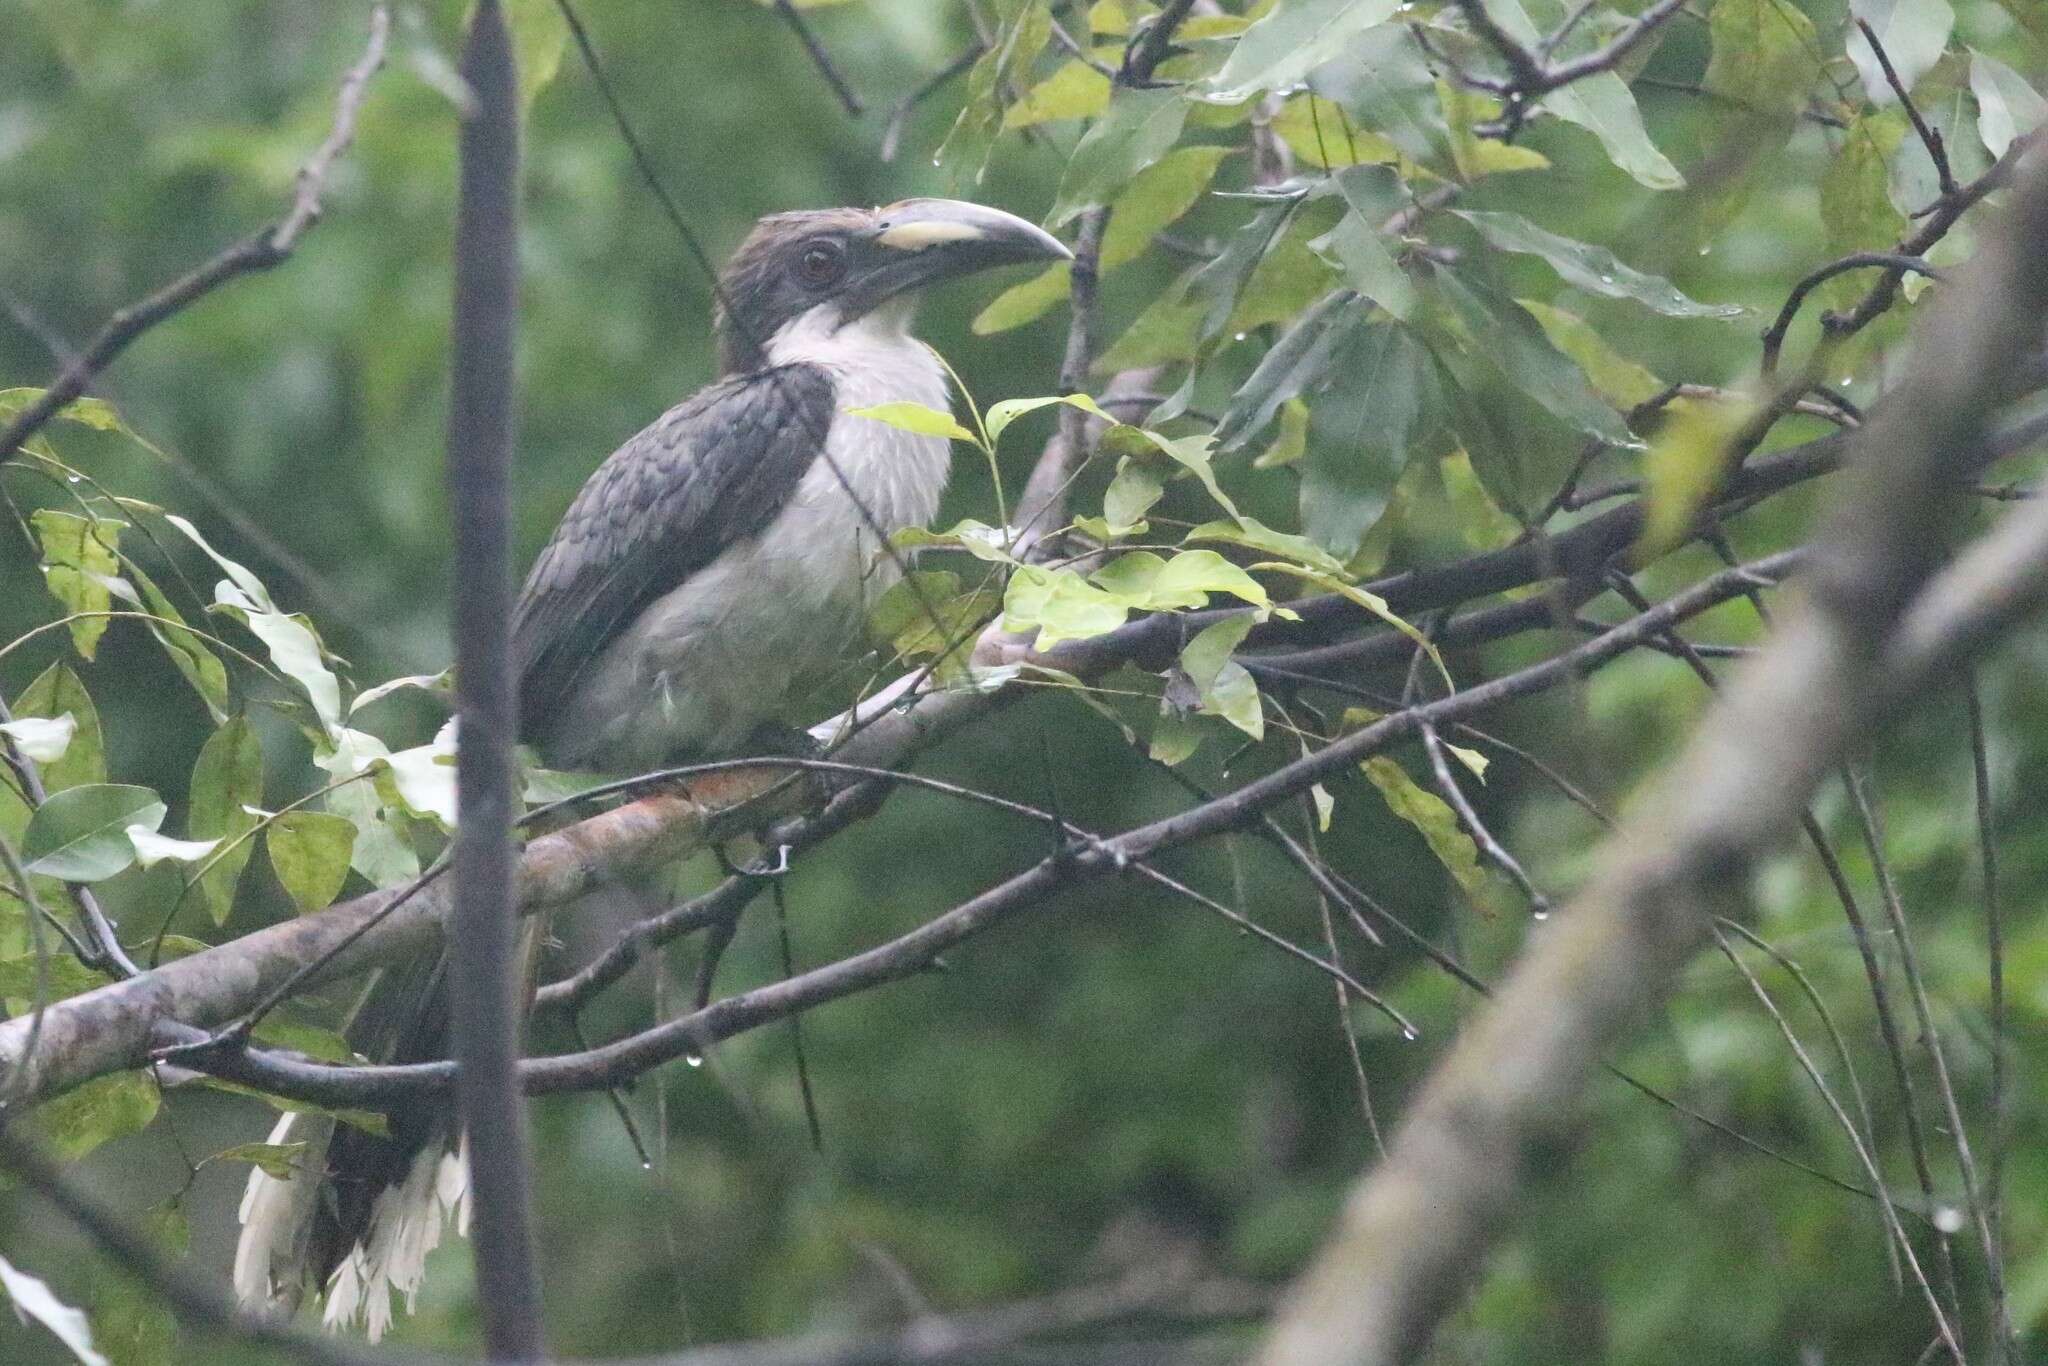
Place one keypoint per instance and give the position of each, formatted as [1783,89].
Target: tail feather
[277,1219]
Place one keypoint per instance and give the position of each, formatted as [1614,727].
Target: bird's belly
[708,663]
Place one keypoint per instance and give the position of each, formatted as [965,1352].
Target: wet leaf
[1075,91]
[227,779]
[79,557]
[1139,129]
[1291,40]
[1592,268]
[1433,817]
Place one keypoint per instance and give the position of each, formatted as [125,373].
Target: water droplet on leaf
[693,1059]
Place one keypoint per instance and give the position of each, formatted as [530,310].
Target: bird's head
[834,266]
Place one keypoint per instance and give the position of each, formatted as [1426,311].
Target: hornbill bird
[709,567]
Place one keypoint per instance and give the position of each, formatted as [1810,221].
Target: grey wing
[709,473]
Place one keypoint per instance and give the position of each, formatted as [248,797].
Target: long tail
[357,1216]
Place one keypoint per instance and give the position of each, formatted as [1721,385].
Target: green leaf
[1505,337]
[1320,137]
[1174,738]
[79,557]
[188,652]
[1060,604]
[1621,381]
[1381,82]
[226,781]
[1433,817]
[32,1299]
[1140,127]
[916,417]
[1191,453]
[1291,40]
[1912,33]
[1592,268]
[57,691]
[1144,581]
[538,36]
[1156,198]
[1167,330]
[279,1160]
[2007,107]
[1258,536]
[1371,602]
[1075,91]
[1766,55]
[1292,366]
[39,738]
[103,1109]
[1291,442]
[1226,688]
[1603,106]
[1358,244]
[1001,415]
[1130,496]
[1855,197]
[1473,155]
[1026,302]
[978,539]
[309,852]
[62,976]
[95,413]
[290,640]
[1686,463]
[81,833]
[1383,398]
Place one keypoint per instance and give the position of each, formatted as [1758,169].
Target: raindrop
[1846,382]
[1408,1034]
[1948,1218]
[74,479]
[936,161]
[693,1059]
[1239,337]
[1607,279]
[1706,249]
[645,1165]
[1540,913]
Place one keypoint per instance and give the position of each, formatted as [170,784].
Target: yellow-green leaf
[1432,816]
[1685,464]
[57,691]
[309,852]
[918,418]
[79,557]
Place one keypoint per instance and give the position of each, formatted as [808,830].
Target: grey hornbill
[710,566]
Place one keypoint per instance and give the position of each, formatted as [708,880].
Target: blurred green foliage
[1114,1082]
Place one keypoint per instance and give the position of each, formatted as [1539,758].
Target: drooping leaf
[1139,129]
[1380,82]
[916,417]
[539,34]
[1167,330]
[1603,105]
[1432,816]
[1382,398]
[1192,453]
[1026,302]
[1912,33]
[1475,156]
[2007,107]
[309,852]
[1506,337]
[1256,535]
[86,411]
[1320,135]
[1686,463]
[79,556]
[227,780]
[1590,267]
[57,691]
[279,1160]
[1360,247]
[81,833]
[1294,365]
[1148,582]
[1766,54]
[1131,494]
[1290,443]
[1174,737]
[33,1299]
[1226,688]
[1291,40]
[424,777]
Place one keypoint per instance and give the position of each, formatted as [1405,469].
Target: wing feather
[709,473]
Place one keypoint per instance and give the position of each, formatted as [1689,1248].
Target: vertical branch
[484,979]
[1994,935]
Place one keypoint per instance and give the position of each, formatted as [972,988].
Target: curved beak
[919,242]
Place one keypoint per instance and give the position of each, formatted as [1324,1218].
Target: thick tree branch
[1416,1231]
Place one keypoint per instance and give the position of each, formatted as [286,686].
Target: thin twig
[1929,138]
[820,58]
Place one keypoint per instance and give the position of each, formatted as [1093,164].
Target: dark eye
[821,263]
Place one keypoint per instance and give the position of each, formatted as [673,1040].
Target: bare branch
[820,58]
